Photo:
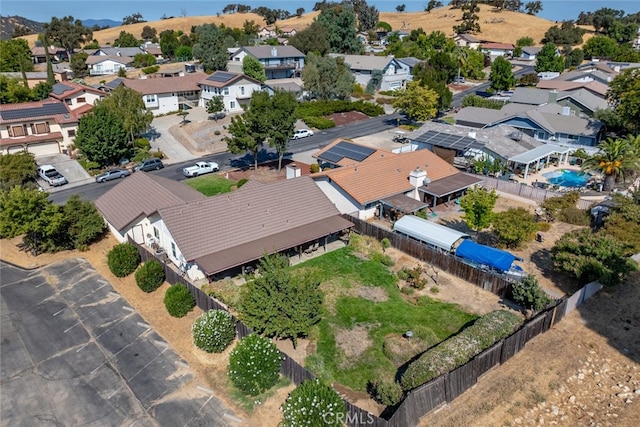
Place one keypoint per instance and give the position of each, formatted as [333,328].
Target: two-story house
[78,98]
[40,127]
[279,62]
[100,65]
[235,89]
[467,40]
[395,74]
[162,95]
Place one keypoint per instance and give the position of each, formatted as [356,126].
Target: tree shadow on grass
[543,260]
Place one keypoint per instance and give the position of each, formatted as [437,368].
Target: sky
[152,10]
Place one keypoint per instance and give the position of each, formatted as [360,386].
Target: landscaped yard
[361,337]
[210,185]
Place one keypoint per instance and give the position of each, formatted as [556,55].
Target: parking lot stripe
[58,312]
[70,328]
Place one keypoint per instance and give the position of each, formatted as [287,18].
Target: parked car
[302,133]
[148,165]
[51,176]
[200,168]
[112,174]
[459,80]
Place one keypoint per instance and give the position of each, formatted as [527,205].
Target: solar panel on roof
[46,110]
[446,140]
[346,149]
[60,88]
[221,76]
[332,157]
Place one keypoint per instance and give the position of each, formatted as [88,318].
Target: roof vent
[516,136]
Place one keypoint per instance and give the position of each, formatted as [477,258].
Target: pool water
[568,178]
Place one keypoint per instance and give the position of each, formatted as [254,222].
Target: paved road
[92,191]
[457,98]
[74,353]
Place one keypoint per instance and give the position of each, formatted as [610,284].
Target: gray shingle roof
[585,98]
[266,52]
[142,194]
[531,96]
[229,220]
[365,62]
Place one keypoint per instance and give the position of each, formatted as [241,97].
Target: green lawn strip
[210,185]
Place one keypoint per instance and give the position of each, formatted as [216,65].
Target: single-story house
[162,95]
[79,98]
[497,49]
[529,53]
[279,62]
[100,65]
[40,127]
[210,236]
[467,40]
[236,89]
[551,122]
[33,77]
[395,74]
[56,54]
[342,152]
[401,183]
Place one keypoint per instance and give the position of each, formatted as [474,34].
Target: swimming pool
[567,178]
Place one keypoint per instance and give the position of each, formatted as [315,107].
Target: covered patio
[448,188]
[538,155]
[394,207]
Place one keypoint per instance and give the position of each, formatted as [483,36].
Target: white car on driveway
[302,133]
[200,168]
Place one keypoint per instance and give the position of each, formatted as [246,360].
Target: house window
[232,105]
[15,131]
[241,90]
[173,249]
[156,233]
[67,101]
[151,98]
[39,128]
[226,91]
[71,133]
[82,99]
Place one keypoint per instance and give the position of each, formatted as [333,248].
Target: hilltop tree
[325,77]
[548,59]
[567,34]
[69,33]
[210,48]
[253,68]
[501,75]
[341,29]
[148,33]
[134,18]
[469,18]
[433,4]
[477,205]
[126,40]
[314,38]
[533,7]
[419,103]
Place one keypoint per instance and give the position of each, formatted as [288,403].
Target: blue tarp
[496,258]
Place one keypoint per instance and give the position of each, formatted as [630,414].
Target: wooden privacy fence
[443,260]
[526,191]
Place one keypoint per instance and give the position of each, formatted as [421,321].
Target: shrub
[387,393]
[88,165]
[413,276]
[216,132]
[178,300]
[254,364]
[159,154]
[383,259]
[575,216]
[140,155]
[123,259]
[318,122]
[313,403]
[529,294]
[315,168]
[142,143]
[213,331]
[458,350]
[386,243]
[150,276]
[543,226]
[242,182]
[150,70]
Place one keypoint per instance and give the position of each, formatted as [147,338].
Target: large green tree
[567,34]
[280,303]
[253,68]
[17,169]
[168,43]
[418,102]
[13,91]
[592,257]
[624,96]
[477,205]
[600,46]
[68,33]
[210,48]
[251,130]
[78,65]
[340,22]
[126,40]
[102,137]
[501,76]
[314,38]
[283,119]
[514,227]
[84,224]
[15,56]
[548,59]
[128,105]
[325,77]
[614,158]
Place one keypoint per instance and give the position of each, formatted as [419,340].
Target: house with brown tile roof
[162,95]
[497,49]
[344,152]
[363,190]
[41,127]
[207,236]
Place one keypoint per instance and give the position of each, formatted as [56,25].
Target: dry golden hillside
[496,26]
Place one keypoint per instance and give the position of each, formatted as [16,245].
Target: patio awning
[404,203]
[538,153]
[450,184]
[251,251]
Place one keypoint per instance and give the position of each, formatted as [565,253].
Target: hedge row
[458,350]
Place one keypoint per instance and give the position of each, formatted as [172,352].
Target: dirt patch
[348,117]
[353,342]
[374,294]
[268,172]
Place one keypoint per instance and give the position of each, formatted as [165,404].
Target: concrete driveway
[74,353]
[69,168]
[161,138]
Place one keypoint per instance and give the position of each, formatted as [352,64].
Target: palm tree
[615,158]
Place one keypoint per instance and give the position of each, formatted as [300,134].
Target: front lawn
[210,185]
[360,338]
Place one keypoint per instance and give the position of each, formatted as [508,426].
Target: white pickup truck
[200,168]
[51,175]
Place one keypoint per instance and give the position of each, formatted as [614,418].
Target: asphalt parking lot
[74,353]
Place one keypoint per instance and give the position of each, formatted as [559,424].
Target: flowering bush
[150,276]
[313,403]
[123,259]
[213,331]
[254,364]
[178,300]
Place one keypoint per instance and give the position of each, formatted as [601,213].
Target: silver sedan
[112,174]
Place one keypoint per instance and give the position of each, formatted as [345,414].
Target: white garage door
[44,148]
[15,149]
